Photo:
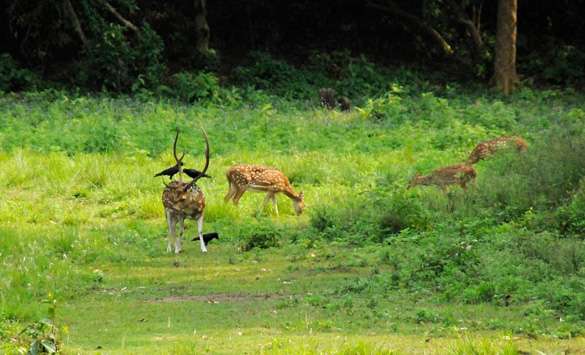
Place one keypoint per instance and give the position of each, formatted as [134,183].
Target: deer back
[260,176]
[184,198]
[455,174]
[487,148]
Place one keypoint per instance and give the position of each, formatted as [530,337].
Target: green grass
[369,268]
[258,304]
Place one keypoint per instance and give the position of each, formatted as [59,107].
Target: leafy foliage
[15,78]
[512,242]
[196,87]
[115,63]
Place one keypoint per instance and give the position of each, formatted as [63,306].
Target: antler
[206,152]
[178,160]
[206,160]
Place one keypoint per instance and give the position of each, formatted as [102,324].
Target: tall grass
[77,186]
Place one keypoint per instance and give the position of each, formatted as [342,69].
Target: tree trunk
[201,27]
[75,22]
[505,76]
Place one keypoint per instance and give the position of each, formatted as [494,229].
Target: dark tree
[201,27]
[505,76]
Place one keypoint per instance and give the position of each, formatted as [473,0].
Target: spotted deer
[328,98]
[256,178]
[459,174]
[487,148]
[183,200]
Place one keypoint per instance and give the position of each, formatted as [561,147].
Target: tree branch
[117,15]
[201,27]
[472,24]
[75,22]
[433,34]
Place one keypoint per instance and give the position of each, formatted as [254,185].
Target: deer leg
[171,232]
[178,247]
[273,198]
[238,196]
[266,199]
[231,192]
[200,233]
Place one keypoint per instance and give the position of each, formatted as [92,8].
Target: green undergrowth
[81,219]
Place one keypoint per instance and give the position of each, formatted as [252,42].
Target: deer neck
[291,194]
[425,180]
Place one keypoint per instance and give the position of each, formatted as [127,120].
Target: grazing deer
[487,148]
[242,178]
[459,174]
[185,200]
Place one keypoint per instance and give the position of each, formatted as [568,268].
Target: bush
[363,78]
[560,65]
[374,216]
[191,87]
[14,78]
[388,109]
[261,235]
[276,76]
[115,63]
[571,217]
[542,179]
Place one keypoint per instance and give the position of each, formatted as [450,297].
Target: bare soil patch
[220,298]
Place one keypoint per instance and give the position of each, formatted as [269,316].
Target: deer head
[416,179]
[299,203]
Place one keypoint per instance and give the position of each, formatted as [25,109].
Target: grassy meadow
[370,267]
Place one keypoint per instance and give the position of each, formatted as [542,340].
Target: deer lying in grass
[487,148]
[185,200]
[242,178]
[459,174]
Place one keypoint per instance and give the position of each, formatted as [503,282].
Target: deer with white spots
[459,174]
[488,148]
[256,178]
[183,200]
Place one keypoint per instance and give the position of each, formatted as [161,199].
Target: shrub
[561,65]
[388,108]
[362,78]
[374,216]
[116,63]
[14,78]
[260,235]
[191,87]
[543,179]
[571,217]
[267,73]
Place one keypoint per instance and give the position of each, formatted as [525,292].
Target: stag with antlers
[183,200]
[256,178]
